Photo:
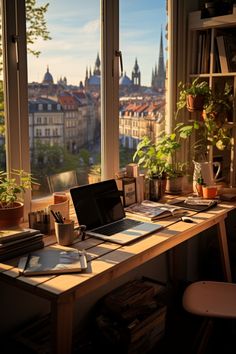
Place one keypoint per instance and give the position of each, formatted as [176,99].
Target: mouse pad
[198,208]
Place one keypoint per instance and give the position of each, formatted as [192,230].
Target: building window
[38,132]
[39,120]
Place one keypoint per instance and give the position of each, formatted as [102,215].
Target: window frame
[15,88]
[16,85]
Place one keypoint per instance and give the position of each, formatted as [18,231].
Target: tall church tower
[97,70]
[159,73]
[136,74]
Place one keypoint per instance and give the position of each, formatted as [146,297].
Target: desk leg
[62,312]
[222,236]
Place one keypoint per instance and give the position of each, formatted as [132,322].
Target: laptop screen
[97,204]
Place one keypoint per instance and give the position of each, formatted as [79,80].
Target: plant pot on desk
[11,216]
[157,187]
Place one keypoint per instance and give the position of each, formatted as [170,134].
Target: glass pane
[2,120]
[142,86]
[64,95]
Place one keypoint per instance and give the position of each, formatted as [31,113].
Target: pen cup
[65,233]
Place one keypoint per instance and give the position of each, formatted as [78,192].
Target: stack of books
[17,241]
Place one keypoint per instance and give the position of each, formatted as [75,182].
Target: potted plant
[175,177]
[94,174]
[155,158]
[12,186]
[211,129]
[193,95]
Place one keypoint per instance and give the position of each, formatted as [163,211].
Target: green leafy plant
[158,159]
[211,128]
[195,88]
[11,189]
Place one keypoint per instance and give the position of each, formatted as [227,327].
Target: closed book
[52,260]
[222,54]
[21,243]
[15,233]
[18,251]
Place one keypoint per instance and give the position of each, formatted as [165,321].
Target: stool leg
[203,336]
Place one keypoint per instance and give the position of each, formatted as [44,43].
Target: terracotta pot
[209,191]
[195,103]
[12,216]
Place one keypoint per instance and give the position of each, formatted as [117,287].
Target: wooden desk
[109,261]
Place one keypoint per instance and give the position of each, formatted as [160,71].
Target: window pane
[2,120]
[142,85]
[64,94]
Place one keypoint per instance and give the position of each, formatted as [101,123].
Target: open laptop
[99,207]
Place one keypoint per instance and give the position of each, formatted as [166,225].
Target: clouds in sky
[75,30]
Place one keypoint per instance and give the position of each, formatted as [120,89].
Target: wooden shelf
[206,60]
[198,23]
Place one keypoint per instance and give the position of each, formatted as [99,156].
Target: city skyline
[79,23]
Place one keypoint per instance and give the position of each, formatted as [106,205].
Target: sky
[74,28]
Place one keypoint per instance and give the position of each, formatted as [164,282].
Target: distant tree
[36,26]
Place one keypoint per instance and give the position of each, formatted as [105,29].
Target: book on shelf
[52,260]
[152,211]
[222,54]
[15,233]
[206,53]
[227,52]
[230,46]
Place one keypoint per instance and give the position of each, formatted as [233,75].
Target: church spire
[136,75]
[161,66]
[158,83]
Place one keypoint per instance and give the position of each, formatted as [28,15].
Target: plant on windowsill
[12,186]
[158,161]
[94,174]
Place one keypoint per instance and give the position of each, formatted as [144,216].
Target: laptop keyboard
[118,226]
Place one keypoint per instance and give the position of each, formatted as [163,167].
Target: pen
[60,217]
[55,216]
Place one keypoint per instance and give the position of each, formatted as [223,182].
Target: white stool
[210,299]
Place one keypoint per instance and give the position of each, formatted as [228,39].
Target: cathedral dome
[47,79]
[94,80]
[125,81]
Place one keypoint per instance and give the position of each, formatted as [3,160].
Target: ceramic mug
[65,232]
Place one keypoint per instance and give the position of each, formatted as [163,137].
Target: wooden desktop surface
[108,261]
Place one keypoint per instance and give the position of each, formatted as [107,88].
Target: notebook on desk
[99,207]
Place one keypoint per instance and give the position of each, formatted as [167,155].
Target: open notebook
[99,207]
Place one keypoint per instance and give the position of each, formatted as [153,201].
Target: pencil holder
[65,233]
